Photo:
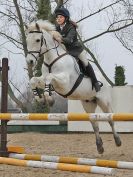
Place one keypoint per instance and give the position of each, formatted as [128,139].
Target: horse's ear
[37,27]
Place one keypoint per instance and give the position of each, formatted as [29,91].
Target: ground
[79,145]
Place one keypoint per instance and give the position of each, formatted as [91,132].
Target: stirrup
[100,83]
[97,85]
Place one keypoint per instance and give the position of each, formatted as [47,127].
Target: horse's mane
[45,25]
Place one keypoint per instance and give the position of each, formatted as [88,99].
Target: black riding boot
[95,83]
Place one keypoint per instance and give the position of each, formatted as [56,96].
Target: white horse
[59,70]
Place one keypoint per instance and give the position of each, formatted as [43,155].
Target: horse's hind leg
[90,107]
[106,107]
[115,134]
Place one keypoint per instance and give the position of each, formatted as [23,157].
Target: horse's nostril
[31,62]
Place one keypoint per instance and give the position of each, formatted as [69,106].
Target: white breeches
[83,58]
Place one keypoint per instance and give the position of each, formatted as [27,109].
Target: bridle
[43,41]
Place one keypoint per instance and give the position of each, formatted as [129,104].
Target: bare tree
[125,36]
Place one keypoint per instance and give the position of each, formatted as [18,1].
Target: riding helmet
[62,11]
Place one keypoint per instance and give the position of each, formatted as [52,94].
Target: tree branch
[13,52]
[21,27]
[19,91]
[9,16]
[23,34]
[10,38]
[123,43]
[110,30]
[100,10]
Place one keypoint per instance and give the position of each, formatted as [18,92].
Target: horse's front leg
[60,82]
[36,83]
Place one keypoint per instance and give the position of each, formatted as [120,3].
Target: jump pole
[68,116]
[58,166]
[74,160]
[4,102]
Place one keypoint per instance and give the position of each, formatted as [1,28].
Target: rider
[67,29]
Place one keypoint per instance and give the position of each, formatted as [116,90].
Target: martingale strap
[77,83]
[51,64]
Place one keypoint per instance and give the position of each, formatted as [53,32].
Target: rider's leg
[89,71]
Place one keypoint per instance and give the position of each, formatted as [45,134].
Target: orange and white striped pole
[58,166]
[74,160]
[68,117]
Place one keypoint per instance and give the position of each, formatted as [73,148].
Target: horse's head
[34,43]
[39,36]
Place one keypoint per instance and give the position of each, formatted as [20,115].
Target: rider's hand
[59,40]
[57,36]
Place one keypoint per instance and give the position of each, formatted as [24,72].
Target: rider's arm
[69,39]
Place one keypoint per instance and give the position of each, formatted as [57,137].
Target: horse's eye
[38,40]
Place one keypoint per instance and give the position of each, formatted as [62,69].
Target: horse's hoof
[50,101]
[44,104]
[100,150]
[99,144]
[117,141]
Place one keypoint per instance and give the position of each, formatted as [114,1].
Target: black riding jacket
[69,37]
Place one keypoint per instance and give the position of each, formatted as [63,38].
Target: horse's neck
[55,50]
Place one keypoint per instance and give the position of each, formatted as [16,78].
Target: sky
[107,48]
